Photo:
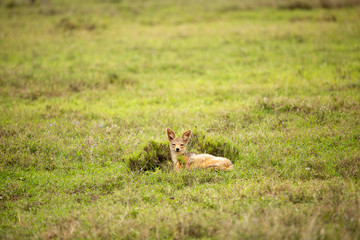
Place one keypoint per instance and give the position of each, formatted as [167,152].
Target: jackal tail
[221,167]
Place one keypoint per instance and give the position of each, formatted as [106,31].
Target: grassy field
[87,91]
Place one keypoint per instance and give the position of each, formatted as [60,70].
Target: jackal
[182,159]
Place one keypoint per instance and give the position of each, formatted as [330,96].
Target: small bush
[215,146]
[70,24]
[11,4]
[297,5]
[152,156]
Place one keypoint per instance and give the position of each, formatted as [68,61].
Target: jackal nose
[177,149]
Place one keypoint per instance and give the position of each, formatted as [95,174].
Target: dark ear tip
[187,133]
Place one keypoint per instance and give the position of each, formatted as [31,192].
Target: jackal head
[178,145]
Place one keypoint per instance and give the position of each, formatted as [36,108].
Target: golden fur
[182,159]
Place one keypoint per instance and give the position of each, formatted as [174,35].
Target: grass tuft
[154,155]
[297,5]
[71,24]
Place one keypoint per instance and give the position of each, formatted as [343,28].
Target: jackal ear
[186,136]
[170,134]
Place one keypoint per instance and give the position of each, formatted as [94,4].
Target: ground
[87,91]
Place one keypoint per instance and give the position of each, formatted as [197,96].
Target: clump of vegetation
[217,146]
[153,155]
[297,5]
[70,24]
[308,5]
[11,4]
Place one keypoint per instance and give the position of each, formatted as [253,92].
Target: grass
[88,90]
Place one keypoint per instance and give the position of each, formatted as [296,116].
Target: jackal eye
[173,144]
[182,145]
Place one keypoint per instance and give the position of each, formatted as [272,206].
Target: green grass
[87,91]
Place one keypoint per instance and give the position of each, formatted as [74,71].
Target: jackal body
[182,159]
